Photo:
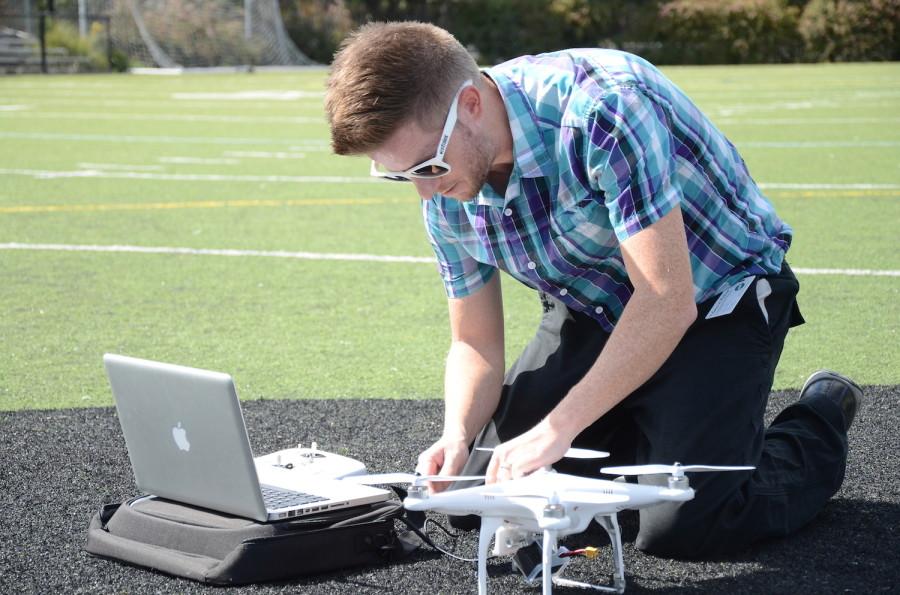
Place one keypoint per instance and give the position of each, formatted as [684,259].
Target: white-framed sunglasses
[436,166]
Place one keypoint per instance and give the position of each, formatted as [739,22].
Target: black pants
[705,405]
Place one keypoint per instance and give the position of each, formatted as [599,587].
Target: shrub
[119,61]
[62,34]
[843,30]
[663,31]
[503,29]
[730,31]
[317,26]
[606,23]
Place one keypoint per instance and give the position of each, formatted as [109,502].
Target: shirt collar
[530,155]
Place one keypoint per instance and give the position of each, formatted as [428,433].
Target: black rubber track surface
[57,467]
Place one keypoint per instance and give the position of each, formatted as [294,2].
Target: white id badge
[729,298]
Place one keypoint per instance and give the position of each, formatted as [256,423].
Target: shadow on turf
[869,528]
[803,562]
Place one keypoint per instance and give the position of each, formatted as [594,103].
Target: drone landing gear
[611,524]
[489,526]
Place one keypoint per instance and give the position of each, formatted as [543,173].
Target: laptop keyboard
[276,498]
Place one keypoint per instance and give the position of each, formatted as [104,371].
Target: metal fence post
[42,32]
[109,59]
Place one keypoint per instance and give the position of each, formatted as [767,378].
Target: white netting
[199,33]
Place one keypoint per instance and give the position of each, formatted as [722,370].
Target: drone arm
[489,526]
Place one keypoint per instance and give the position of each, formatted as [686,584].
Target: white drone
[548,504]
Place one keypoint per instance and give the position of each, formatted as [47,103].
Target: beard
[478,160]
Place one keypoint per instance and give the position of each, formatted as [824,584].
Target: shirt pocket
[582,235]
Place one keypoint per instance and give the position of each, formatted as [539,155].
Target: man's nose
[426,187]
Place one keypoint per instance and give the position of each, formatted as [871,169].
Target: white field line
[92,116]
[251,95]
[215,252]
[196,204]
[848,121]
[59,85]
[88,173]
[159,103]
[128,138]
[815,144]
[333,256]
[41,174]
[81,90]
[4,110]
[72,91]
[800,186]
[743,92]
[848,272]
[120,167]
[738,110]
[14,108]
[52,136]
[265,154]
[743,108]
[89,90]
[199,160]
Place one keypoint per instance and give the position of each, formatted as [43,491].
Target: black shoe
[840,390]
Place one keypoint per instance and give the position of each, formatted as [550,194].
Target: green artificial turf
[183,162]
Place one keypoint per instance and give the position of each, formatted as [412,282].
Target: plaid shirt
[604,146]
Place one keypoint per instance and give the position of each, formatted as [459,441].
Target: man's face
[468,154]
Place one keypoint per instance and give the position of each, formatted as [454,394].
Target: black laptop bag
[221,549]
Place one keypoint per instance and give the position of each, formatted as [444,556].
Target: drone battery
[529,561]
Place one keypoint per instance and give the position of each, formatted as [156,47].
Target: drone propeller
[385,478]
[572,453]
[676,470]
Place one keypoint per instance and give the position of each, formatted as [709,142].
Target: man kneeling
[590,177]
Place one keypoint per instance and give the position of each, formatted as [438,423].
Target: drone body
[552,504]
[548,505]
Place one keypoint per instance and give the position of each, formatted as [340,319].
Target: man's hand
[447,456]
[540,446]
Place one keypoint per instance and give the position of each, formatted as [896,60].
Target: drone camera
[508,541]
[529,561]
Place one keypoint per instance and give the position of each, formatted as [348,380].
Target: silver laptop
[187,442]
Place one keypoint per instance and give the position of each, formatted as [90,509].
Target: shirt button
[599,309]
[532,266]
[508,212]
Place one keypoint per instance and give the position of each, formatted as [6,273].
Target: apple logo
[180,436]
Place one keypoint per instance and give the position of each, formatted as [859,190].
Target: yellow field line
[219,204]
[200,204]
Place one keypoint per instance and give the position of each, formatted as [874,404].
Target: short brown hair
[387,74]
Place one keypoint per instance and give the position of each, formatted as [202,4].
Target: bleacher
[20,53]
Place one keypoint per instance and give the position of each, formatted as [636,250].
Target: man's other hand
[541,446]
[447,456]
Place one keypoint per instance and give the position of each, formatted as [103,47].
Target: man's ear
[471,105]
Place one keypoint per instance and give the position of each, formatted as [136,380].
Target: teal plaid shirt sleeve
[629,155]
[461,273]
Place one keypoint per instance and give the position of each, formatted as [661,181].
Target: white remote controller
[307,462]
